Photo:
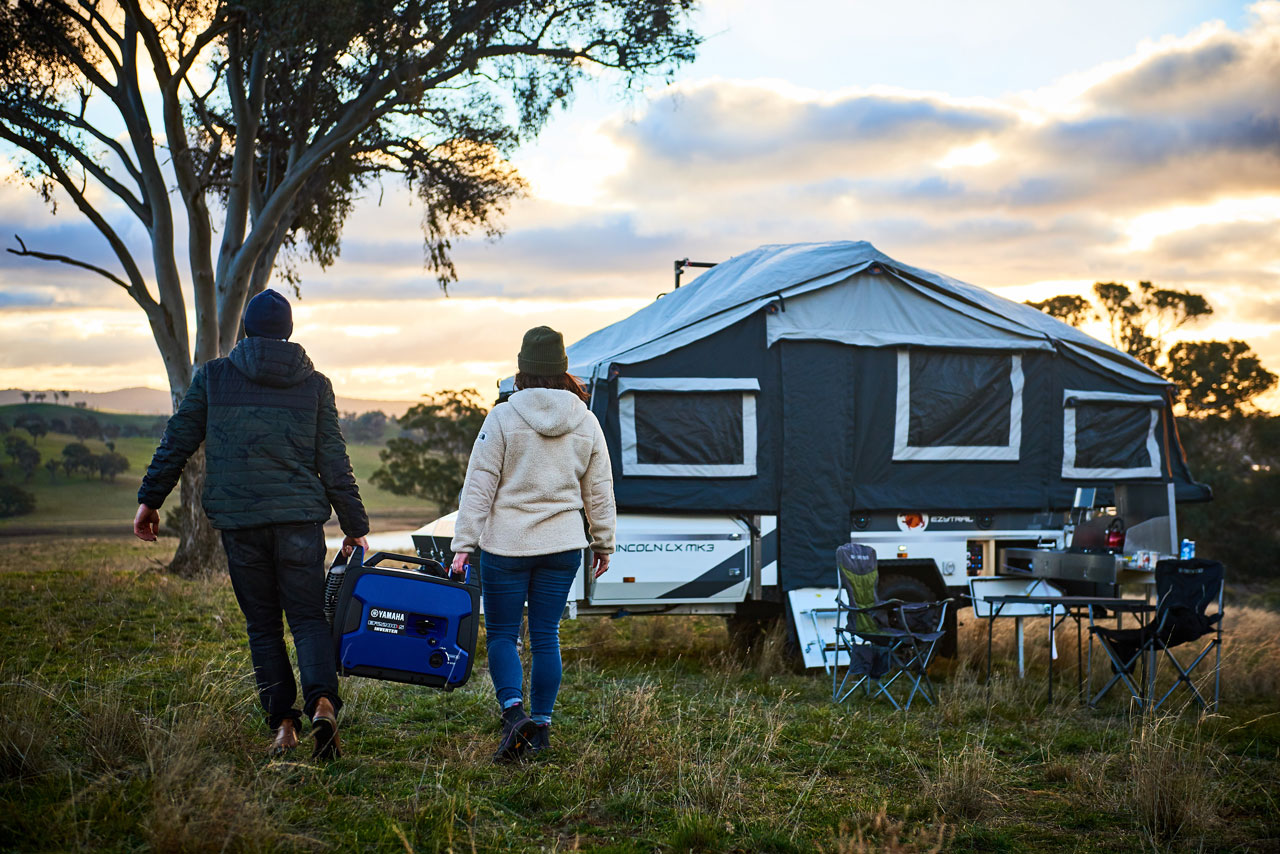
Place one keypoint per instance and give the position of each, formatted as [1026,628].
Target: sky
[1030,148]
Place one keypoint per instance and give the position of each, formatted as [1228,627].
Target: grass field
[127,723]
[80,501]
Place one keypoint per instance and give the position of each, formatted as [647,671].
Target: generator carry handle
[354,559]
[428,563]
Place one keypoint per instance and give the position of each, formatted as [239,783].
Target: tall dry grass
[964,783]
[1172,781]
[880,834]
[1250,656]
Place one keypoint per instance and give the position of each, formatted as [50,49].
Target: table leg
[1022,663]
[1151,679]
[991,622]
[1052,649]
[1079,658]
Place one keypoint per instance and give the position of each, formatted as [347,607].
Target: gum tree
[236,137]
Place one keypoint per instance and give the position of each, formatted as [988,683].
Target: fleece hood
[271,362]
[549,411]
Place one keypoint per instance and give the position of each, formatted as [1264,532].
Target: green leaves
[431,461]
[1213,377]
[1069,308]
[1217,377]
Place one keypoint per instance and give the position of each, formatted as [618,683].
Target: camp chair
[884,641]
[1184,591]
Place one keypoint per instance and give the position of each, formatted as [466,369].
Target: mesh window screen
[959,399]
[1112,437]
[689,428]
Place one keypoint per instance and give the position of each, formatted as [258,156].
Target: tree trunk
[199,546]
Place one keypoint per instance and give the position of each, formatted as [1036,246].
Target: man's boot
[324,727]
[286,738]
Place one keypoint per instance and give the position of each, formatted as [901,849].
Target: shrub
[15,501]
[111,464]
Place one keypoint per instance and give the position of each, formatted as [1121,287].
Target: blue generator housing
[403,624]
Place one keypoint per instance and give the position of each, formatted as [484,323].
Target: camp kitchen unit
[797,396]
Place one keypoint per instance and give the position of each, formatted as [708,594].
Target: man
[275,462]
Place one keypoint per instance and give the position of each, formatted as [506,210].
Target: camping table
[1076,607]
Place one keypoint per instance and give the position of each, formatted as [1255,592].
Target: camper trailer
[799,396]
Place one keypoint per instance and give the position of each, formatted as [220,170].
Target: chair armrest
[879,606]
[917,606]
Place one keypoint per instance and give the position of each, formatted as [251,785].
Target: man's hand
[600,565]
[146,525]
[349,543]
[459,566]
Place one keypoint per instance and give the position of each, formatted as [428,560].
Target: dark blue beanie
[268,315]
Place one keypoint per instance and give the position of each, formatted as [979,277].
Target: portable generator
[401,624]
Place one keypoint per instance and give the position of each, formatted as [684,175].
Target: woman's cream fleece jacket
[539,461]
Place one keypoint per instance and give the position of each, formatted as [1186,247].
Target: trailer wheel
[904,587]
[752,625]
[911,589]
[748,628]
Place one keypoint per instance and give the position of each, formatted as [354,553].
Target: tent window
[1108,435]
[688,427]
[957,405]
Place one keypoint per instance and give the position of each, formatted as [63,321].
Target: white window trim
[902,452]
[749,386]
[1069,467]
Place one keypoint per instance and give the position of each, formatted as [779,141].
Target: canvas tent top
[931,310]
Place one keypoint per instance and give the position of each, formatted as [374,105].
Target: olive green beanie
[542,353]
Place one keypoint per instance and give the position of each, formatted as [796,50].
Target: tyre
[750,623]
[904,587]
[759,634]
[911,589]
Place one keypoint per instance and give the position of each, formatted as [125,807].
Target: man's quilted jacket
[273,450]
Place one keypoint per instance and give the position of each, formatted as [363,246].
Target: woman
[538,463]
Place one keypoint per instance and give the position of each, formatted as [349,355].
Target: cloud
[1157,166]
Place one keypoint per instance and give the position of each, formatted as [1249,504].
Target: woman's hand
[600,565]
[459,566]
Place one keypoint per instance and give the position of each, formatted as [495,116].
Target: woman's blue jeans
[507,584]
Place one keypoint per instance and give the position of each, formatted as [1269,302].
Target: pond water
[400,542]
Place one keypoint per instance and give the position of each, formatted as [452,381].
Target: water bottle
[1188,550]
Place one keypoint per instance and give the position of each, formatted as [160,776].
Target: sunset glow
[1148,150]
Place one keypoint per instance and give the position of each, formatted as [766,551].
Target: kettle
[1115,535]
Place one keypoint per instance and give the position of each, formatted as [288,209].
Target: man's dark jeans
[279,568]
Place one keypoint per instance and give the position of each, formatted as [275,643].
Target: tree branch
[78,122]
[24,252]
[69,50]
[87,24]
[199,225]
[246,104]
[137,285]
[53,139]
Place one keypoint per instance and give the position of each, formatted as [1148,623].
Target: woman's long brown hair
[563,382]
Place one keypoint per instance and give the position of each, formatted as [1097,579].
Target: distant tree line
[41,396]
[365,427]
[75,458]
[85,426]
[1231,444]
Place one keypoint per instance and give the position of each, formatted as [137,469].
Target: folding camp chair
[1184,591]
[881,642]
